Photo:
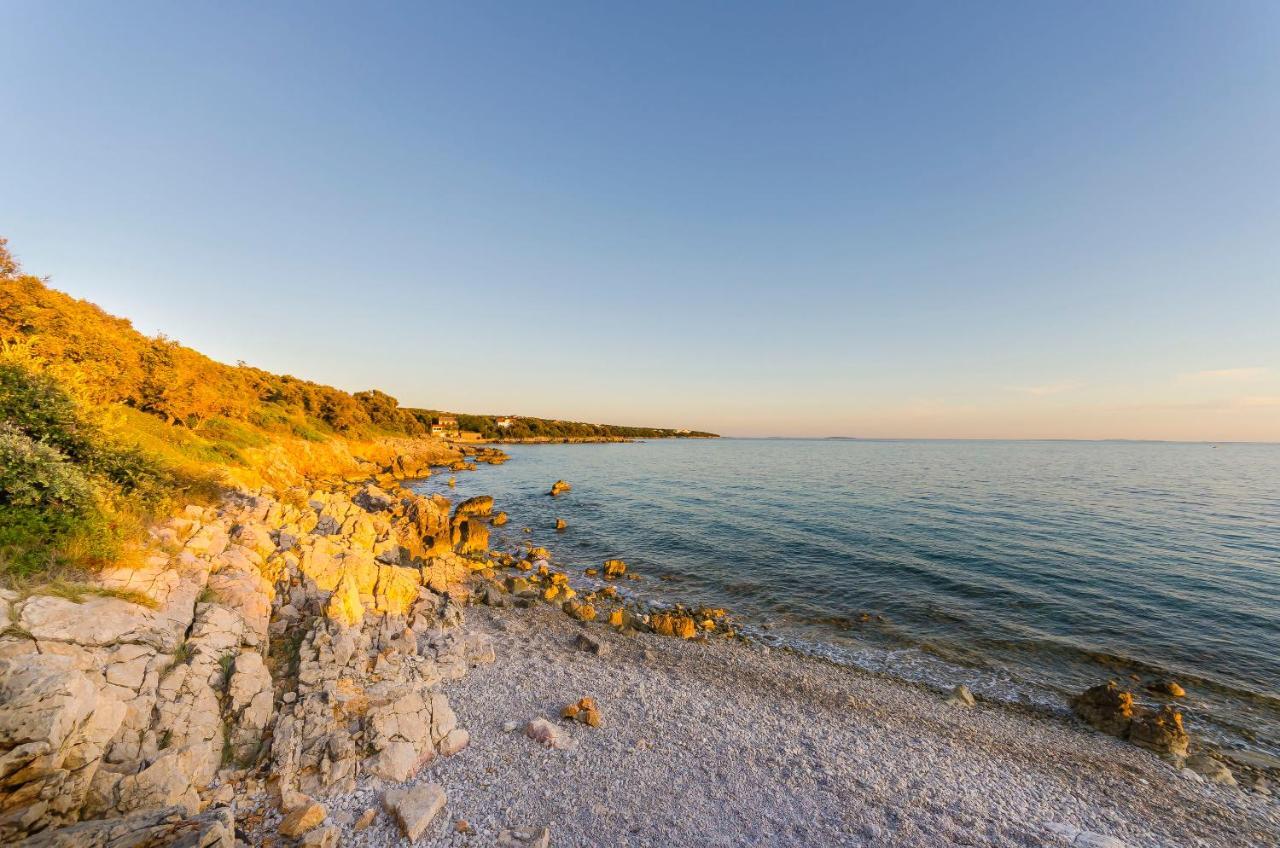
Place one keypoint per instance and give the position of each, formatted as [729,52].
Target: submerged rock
[1168,688]
[559,487]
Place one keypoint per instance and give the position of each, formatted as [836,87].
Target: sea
[1027,570]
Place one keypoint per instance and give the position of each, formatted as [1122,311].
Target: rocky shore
[346,662]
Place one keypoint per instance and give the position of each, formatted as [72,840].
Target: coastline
[349,662]
[730,743]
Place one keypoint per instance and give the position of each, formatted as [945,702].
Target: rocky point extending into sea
[346,662]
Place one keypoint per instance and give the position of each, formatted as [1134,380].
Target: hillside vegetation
[552,429]
[103,428]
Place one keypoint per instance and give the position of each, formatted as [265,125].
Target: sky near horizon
[897,219]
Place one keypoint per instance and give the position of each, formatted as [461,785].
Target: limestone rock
[414,807]
[545,733]
[480,506]
[961,696]
[455,741]
[614,568]
[149,829]
[344,607]
[559,487]
[524,837]
[373,499]
[1211,770]
[54,726]
[303,818]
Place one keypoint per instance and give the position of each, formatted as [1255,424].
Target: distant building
[445,425]
[504,422]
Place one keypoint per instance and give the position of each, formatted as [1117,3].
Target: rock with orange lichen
[614,568]
[673,624]
[580,611]
[584,710]
[1106,707]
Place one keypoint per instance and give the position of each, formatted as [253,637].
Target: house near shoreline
[504,422]
[445,426]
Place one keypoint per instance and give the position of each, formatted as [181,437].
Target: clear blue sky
[940,219]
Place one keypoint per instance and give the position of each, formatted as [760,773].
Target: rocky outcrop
[305,638]
[150,829]
[1112,710]
[559,487]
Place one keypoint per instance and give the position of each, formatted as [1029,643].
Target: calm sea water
[1028,570]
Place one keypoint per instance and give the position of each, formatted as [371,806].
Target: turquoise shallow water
[1027,569]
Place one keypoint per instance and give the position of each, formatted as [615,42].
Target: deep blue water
[1027,569]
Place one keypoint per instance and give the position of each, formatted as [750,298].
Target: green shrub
[34,404]
[45,500]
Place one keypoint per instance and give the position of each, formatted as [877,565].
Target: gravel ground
[728,744]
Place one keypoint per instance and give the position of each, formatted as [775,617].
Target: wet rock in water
[1211,770]
[961,696]
[1161,732]
[559,487]
[591,644]
[1106,707]
[525,837]
[614,568]
[414,807]
[561,525]
[673,624]
[1169,688]
[302,818]
[545,733]
[499,519]
[480,506]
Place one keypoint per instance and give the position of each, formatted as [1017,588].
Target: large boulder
[1106,707]
[1161,732]
[425,529]
[1112,710]
[480,505]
